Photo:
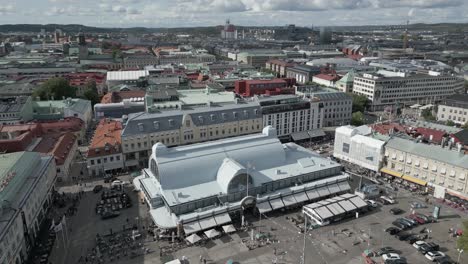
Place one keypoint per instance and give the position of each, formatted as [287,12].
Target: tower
[405,36]
[83,49]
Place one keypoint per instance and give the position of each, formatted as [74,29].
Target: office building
[197,187]
[454,108]
[337,107]
[290,114]
[279,67]
[181,127]
[258,58]
[139,61]
[14,110]
[27,180]
[386,88]
[302,73]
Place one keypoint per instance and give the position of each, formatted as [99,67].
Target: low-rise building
[115,78]
[302,73]
[250,88]
[442,168]
[105,151]
[27,182]
[454,108]
[14,110]
[290,114]
[327,80]
[357,145]
[60,109]
[258,58]
[181,127]
[196,187]
[139,61]
[279,67]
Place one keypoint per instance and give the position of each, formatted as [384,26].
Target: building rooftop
[107,138]
[434,152]
[57,145]
[12,104]
[212,165]
[126,75]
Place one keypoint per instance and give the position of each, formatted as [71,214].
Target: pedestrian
[204,260]
[274,251]
[201,258]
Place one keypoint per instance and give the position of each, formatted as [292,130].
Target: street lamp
[460,251]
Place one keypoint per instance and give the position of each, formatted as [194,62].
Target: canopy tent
[192,227]
[229,229]
[192,239]
[212,233]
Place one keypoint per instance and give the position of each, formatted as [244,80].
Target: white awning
[313,194]
[229,229]
[289,200]
[264,207]
[207,223]
[222,219]
[192,239]
[344,186]
[301,197]
[358,202]
[276,203]
[323,191]
[334,188]
[192,227]
[212,233]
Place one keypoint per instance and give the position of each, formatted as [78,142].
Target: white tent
[192,239]
[175,261]
[229,229]
[211,233]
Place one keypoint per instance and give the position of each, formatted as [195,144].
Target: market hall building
[199,186]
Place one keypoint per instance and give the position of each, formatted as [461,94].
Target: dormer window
[156,125]
[200,118]
[171,122]
[213,117]
[246,114]
[234,114]
[224,116]
[140,127]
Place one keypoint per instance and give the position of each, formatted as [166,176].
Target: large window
[345,147]
[154,169]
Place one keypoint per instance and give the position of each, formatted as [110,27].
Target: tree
[462,242]
[450,123]
[56,88]
[91,93]
[360,102]
[465,126]
[357,119]
[427,115]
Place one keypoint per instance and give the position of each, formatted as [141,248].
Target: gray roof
[170,120]
[12,105]
[333,96]
[434,152]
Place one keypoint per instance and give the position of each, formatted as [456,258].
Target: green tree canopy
[465,126]
[427,115]
[91,93]
[450,123]
[55,88]
[357,119]
[360,102]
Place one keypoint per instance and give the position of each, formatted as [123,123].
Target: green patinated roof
[348,78]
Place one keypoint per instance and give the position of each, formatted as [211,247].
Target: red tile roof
[117,97]
[106,139]
[57,145]
[328,77]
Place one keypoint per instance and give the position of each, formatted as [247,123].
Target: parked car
[390,256]
[392,230]
[428,247]
[396,261]
[423,216]
[417,205]
[399,225]
[404,222]
[418,244]
[444,260]
[396,211]
[403,236]
[413,238]
[97,188]
[417,219]
[372,203]
[434,255]
[387,200]
[386,250]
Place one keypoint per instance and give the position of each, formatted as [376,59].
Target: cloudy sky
[175,13]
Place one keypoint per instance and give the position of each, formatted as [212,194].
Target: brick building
[250,88]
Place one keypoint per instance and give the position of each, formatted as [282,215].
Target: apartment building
[454,108]
[290,114]
[443,168]
[28,180]
[336,106]
[105,151]
[279,66]
[180,127]
[386,88]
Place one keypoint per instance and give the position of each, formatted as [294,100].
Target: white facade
[288,122]
[354,145]
[327,83]
[99,165]
[29,200]
[458,115]
[401,88]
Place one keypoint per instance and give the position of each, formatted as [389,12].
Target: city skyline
[183,13]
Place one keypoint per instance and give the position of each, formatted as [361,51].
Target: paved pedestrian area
[282,240]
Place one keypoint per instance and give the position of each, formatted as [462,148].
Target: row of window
[105,160]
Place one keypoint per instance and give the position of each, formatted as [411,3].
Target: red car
[417,219]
